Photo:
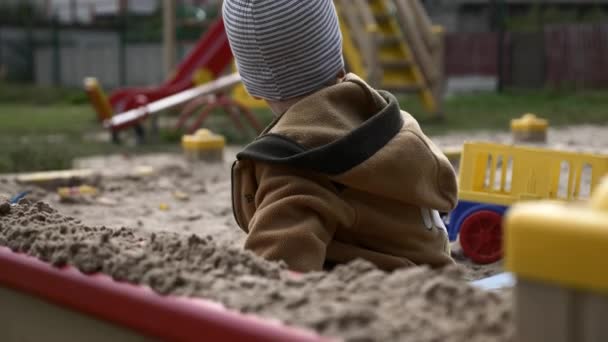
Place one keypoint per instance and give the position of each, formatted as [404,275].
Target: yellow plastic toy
[557,252]
[504,174]
[202,76]
[240,94]
[203,145]
[98,98]
[77,193]
[493,177]
[529,128]
[61,178]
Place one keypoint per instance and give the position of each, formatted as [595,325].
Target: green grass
[490,111]
[45,128]
[48,137]
[25,119]
[28,94]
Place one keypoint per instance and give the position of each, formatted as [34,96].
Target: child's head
[284,49]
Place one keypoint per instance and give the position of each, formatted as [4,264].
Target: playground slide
[211,53]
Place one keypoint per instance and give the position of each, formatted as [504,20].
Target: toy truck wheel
[481,236]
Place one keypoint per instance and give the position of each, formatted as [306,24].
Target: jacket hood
[361,139]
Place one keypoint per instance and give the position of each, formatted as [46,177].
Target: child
[341,173]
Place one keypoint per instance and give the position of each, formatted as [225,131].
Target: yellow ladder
[392,44]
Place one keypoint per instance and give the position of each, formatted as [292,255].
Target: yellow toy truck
[492,177]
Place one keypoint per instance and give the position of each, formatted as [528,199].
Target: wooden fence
[577,55]
[471,54]
[561,55]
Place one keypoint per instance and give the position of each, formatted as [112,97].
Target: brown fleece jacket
[344,174]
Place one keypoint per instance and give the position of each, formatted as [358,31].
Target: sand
[172,229]
[355,302]
[130,199]
[580,138]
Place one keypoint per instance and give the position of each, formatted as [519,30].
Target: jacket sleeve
[446,180]
[297,213]
[438,176]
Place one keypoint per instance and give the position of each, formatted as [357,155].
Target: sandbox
[186,250]
[348,303]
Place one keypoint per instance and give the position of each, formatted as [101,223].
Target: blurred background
[59,42]
[502,58]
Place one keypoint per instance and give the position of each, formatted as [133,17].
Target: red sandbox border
[168,318]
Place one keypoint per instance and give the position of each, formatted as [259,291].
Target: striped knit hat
[284,48]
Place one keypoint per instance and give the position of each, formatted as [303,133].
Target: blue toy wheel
[464,210]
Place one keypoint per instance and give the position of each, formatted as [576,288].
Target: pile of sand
[356,302]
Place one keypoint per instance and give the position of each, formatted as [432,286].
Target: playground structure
[557,253]
[390,43]
[206,98]
[207,61]
[201,69]
[492,177]
[393,45]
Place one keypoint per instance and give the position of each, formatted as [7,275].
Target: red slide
[212,52]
